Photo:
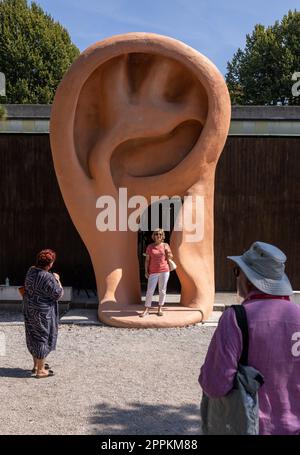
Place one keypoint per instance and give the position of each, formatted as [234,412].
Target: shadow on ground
[146,419]
[11,316]
[14,373]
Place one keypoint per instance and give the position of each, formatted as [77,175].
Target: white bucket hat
[263,265]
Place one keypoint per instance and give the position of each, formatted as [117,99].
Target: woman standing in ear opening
[42,291]
[157,270]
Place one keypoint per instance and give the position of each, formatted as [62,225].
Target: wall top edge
[42,111]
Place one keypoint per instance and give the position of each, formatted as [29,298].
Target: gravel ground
[108,381]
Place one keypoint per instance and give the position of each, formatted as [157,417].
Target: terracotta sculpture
[150,114]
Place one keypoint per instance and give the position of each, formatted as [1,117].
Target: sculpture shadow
[146,419]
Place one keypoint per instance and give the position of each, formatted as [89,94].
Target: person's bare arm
[168,251]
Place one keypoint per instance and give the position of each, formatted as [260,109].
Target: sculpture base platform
[118,315]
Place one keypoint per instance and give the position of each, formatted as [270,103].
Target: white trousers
[162,279]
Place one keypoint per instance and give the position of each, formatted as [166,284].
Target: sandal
[142,315]
[40,376]
[46,366]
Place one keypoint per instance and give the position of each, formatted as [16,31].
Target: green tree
[2,112]
[262,72]
[35,52]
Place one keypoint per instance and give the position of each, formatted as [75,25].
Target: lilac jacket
[274,350]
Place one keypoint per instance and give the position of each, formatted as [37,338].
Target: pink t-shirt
[157,253]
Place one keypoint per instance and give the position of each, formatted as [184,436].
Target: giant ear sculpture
[150,114]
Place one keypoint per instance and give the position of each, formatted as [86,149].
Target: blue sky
[216,28]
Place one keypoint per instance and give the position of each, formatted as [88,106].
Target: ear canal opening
[147,157]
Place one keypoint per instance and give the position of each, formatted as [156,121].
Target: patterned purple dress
[40,308]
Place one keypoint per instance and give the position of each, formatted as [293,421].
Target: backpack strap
[241,317]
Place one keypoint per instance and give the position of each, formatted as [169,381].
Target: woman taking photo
[157,270]
[42,291]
